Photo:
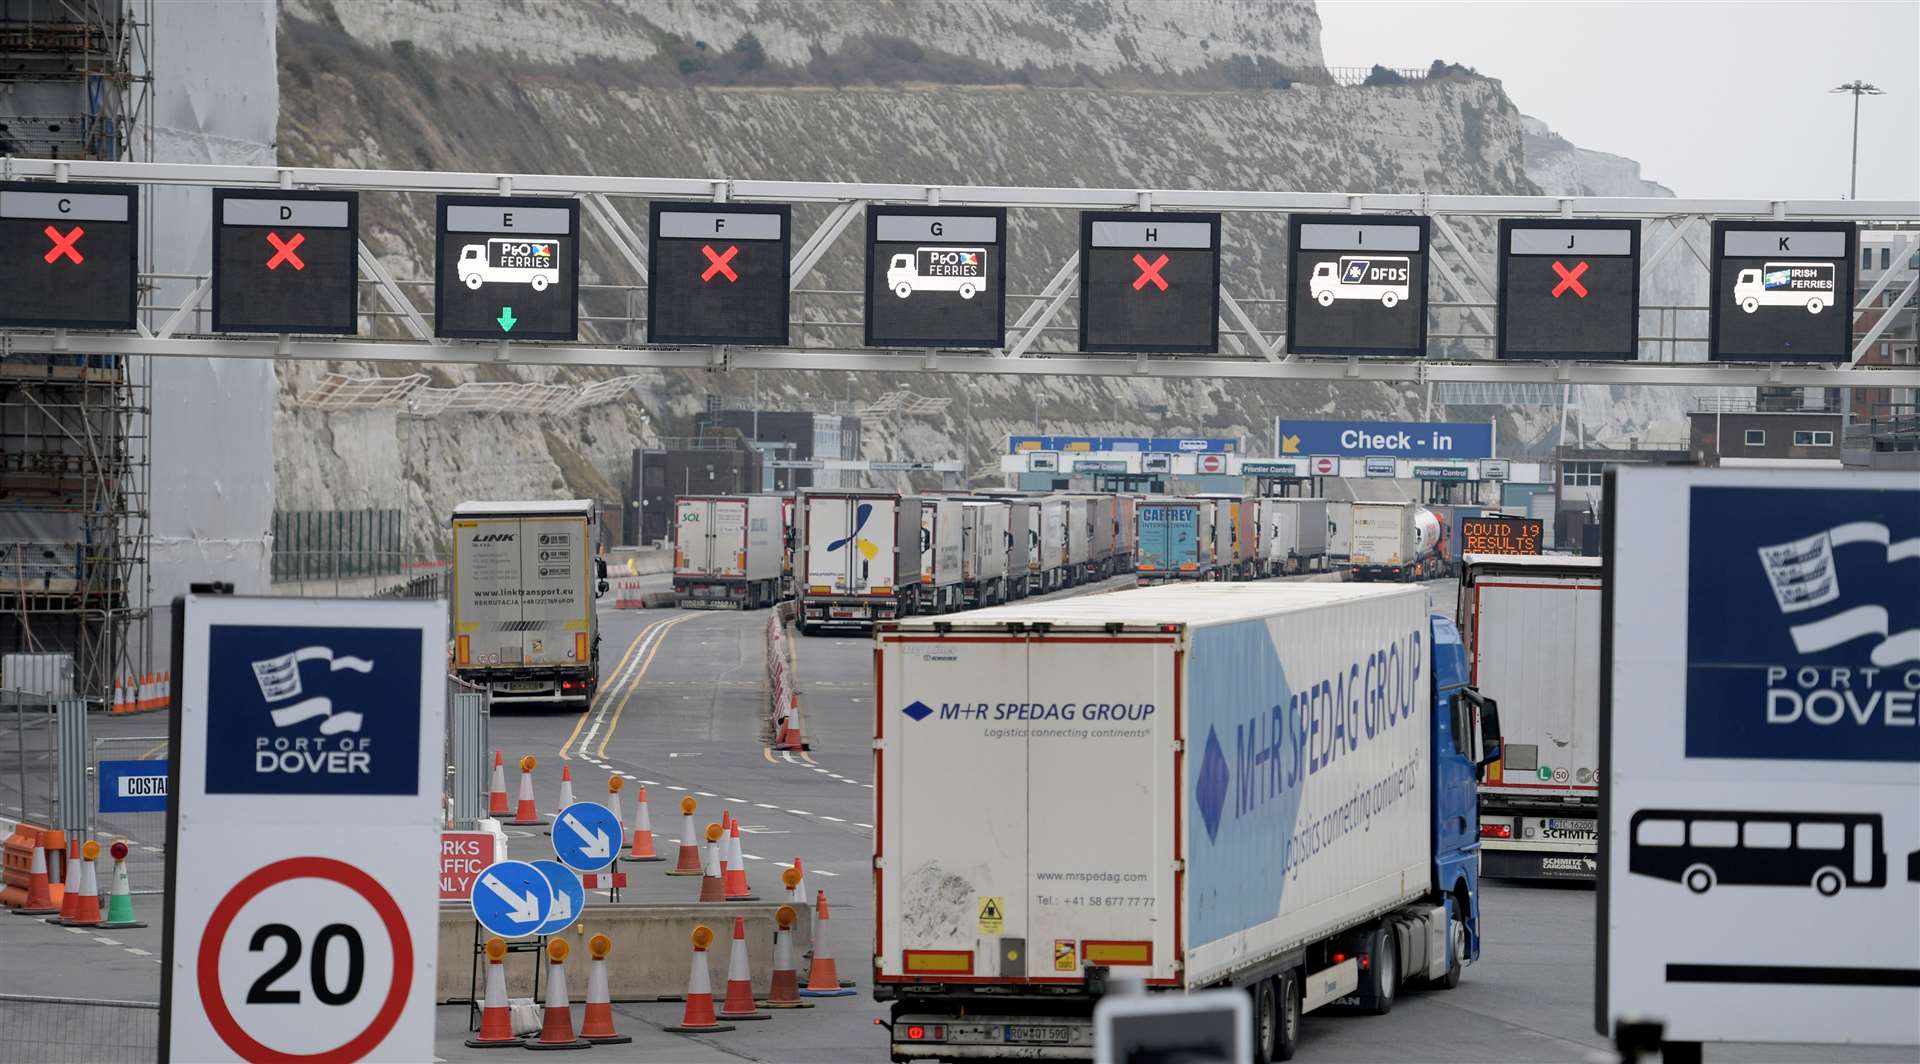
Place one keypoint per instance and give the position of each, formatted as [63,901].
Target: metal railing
[64,1030]
[332,544]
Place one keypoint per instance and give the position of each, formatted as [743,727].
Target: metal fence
[145,833]
[337,544]
[56,1030]
[29,777]
[469,724]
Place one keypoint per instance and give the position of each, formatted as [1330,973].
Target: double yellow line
[652,638]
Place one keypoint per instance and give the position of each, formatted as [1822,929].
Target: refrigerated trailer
[940,575]
[983,553]
[859,557]
[525,577]
[1385,545]
[1262,786]
[1532,631]
[1079,518]
[1021,516]
[1173,540]
[728,550]
[1293,535]
[1235,536]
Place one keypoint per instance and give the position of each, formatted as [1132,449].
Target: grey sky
[1713,99]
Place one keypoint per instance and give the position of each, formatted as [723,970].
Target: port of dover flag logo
[1803,634]
[313,710]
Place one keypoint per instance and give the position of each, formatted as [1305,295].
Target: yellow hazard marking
[1064,955]
[993,915]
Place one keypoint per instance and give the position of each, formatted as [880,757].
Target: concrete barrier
[646,561]
[652,948]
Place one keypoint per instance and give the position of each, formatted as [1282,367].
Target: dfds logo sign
[1804,636]
[313,710]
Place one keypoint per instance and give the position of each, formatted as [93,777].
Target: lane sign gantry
[68,255]
[1781,292]
[507,268]
[936,277]
[511,899]
[1149,281]
[286,262]
[1569,289]
[1358,287]
[719,274]
[586,837]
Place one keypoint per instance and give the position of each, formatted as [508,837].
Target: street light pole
[1858,89]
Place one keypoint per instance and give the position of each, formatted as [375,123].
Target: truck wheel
[966,291]
[1457,961]
[1324,298]
[1286,1033]
[1386,970]
[1266,1020]
[1389,300]
[903,290]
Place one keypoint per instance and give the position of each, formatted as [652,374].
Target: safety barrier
[61,1030]
[783,682]
[144,693]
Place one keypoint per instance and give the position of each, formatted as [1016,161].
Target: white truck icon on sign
[1785,284]
[938,269]
[511,260]
[1384,278]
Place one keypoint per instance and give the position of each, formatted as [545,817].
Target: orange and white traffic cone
[566,787]
[643,833]
[596,1025]
[739,1003]
[526,815]
[797,893]
[784,993]
[69,880]
[698,1015]
[497,788]
[86,908]
[688,862]
[614,784]
[496,1016]
[39,889]
[556,1031]
[119,912]
[789,738]
[823,979]
[713,886]
[736,882]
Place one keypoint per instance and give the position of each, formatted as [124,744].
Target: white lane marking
[835,819]
[788,755]
[139,952]
[612,693]
[764,805]
[706,794]
[149,849]
[868,786]
[843,779]
[650,783]
[869,827]
[799,812]
[671,787]
[742,801]
[752,857]
[105,941]
[818,769]
[74,930]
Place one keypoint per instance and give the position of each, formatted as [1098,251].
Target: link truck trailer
[525,577]
[859,558]
[728,550]
[1266,787]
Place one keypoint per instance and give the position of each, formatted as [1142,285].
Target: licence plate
[525,685]
[1569,828]
[1028,1034]
[849,614]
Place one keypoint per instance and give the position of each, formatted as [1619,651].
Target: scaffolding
[75,526]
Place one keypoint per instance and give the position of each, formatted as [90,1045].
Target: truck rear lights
[921,1032]
[1496,831]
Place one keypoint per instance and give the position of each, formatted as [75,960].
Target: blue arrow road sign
[569,897]
[586,837]
[511,899]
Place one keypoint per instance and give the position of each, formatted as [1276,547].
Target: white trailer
[728,550]
[983,553]
[1339,532]
[859,557]
[1532,630]
[1294,534]
[1079,517]
[1100,535]
[940,536]
[525,577]
[1235,535]
[1021,541]
[1132,806]
[1385,544]
[1049,571]
[529,260]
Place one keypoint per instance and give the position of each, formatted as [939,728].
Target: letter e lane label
[68,255]
[303,822]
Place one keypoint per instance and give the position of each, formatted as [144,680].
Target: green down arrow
[506,319]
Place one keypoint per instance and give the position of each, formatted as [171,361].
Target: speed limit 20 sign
[302,909]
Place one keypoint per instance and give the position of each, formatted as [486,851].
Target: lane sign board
[936,277]
[1357,287]
[68,255]
[1149,281]
[304,786]
[569,896]
[507,268]
[1382,467]
[1568,289]
[586,836]
[286,262]
[133,786]
[1496,469]
[1402,439]
[1759,663]
[1781,292]
[463,856]
[1326,465]
[511,899]
[720,273]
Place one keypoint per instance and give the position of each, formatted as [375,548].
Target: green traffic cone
[120,905]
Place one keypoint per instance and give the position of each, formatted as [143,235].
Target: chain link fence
[56,1030]
[146,832]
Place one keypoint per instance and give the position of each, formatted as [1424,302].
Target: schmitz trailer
[983,553]
[1385,544]
[1532,631]
[525,577]
[728,550]
[1261,786]
[1173,540]
[859,558]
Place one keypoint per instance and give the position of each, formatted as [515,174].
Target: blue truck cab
[1466,738]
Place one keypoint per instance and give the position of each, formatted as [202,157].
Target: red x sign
[1570,279]
[719,260]
[283,251]
[64,245]
[1149,271]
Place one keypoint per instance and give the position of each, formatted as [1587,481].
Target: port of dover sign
[1760,821]
[305,790]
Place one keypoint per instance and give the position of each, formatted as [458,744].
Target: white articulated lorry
[1532,629]
[983,553]
[525,577]
[728,550]
[1264,786]
[859,556]
[1385,543]
[1293,535]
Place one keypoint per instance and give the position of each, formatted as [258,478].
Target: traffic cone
[823,979]
[566,786]
[739,1003]
[70,883]
[526,815]
[120,905]
[596,1025]
[39,892]
[736,882]
[497,788]
[698,1015]
[556,1032]
[643,833]
[614,783]
[789,738]
[713,886]
[496,1016]
[86,908]
[797,892]
[688,863]
[785,991]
